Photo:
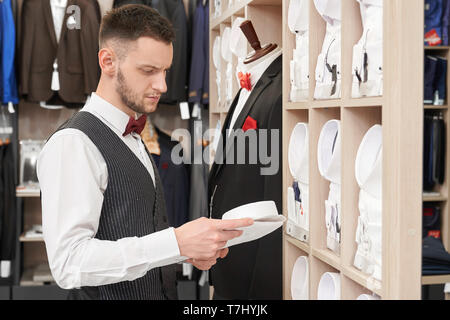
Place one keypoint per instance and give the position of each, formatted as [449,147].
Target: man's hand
[201,239]
[207,264]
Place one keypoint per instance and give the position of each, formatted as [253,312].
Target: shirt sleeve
[73,176]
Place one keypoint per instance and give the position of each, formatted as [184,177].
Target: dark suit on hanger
[177,76]
[7,202]
[76,52]
[199,76]
[251,270]
[175,180]
[119,3]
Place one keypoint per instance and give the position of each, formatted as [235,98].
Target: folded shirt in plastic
[34,232]
[265,216]
[435,259]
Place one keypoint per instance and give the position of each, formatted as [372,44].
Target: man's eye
[149,71]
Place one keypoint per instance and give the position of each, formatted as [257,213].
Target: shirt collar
[258,68]
[108,112]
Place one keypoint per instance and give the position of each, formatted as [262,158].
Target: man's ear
[107,60]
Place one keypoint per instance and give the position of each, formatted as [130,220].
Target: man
[103,211]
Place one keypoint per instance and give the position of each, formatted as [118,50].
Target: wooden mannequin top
[250,34]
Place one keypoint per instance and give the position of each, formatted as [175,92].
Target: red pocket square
[249,124]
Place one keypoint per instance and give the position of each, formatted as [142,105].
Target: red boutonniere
[244,80]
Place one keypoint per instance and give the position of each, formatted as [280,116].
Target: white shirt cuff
[161,248]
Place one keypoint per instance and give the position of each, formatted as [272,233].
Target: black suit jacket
[251,270]
[176,78]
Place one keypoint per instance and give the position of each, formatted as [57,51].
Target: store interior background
[28,276]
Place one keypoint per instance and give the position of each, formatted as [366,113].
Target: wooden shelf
[328,257]
[27,279]
[438,198]
[237,9]
[433,107]
[317,104]
[299,244]
[303,105]
[438,279]
[363,279]
[436,47]
[349,103]
[28,194]
[364,102]
[22,238]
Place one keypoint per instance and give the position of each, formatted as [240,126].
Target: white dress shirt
[73,177]
[256,70]
[58,8]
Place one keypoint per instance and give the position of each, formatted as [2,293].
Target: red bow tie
[244,80]
[135,125]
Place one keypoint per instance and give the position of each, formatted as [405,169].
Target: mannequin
[252,270]
[298,195]
[328,68]
[298,21]
[252,67]
[329,158]
[367,67]
[368,172]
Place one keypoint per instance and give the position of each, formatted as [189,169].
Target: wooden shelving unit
[400,112]
[35,123]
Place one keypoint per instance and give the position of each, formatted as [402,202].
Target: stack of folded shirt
[435,259]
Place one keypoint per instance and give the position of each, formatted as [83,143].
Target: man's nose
[160,83]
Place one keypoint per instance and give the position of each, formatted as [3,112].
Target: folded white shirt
[265,216]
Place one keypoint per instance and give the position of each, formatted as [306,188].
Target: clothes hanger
[250,33]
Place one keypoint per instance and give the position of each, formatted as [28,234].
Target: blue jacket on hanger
[7,45]
[445,21]
[199,75]
[433,17]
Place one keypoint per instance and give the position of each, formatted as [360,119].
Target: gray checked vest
[131,208]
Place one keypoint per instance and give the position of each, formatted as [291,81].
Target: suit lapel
[223,135]
[49,21]
[259,88]
[66,16]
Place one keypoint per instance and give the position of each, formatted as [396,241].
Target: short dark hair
[130,22]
